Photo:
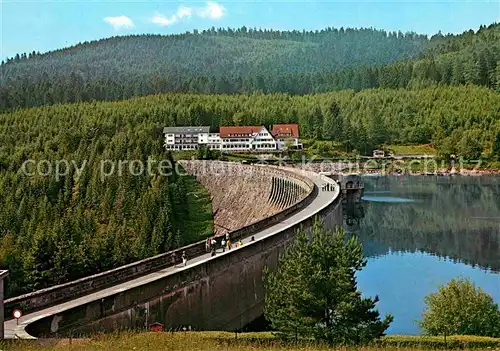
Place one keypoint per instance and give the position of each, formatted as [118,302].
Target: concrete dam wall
[224,292]
[237,205]
[243,194]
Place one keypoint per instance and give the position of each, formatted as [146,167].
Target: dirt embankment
[243,194]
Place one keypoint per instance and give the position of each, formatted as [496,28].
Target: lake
[419,232]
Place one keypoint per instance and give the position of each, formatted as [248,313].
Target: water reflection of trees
[456,217]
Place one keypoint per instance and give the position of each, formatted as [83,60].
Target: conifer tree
[313,292]
[496,145]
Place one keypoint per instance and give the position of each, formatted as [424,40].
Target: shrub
[461,308]
[434,342]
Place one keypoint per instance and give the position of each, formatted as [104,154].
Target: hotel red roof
[285,131]
[226,132]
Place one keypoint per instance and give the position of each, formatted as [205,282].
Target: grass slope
[241,342]
[411,150]
[200,210]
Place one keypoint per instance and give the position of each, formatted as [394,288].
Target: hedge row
[260,339]
[438,342]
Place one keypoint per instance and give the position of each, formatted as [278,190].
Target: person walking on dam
[184,258]
[223,244]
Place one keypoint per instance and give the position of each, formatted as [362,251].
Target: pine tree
[497,76]
[471,70]
[317,123]
[377,132]
[332,123]
[314,291]
[38,260]
[482,67]
[496,146]
[347,135]
[470,145]
[457,76]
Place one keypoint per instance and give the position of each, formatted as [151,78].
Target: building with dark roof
[189,138]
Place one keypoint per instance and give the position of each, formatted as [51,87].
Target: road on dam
[16,329]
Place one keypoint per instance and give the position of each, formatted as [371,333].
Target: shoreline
[363,169]
[440,173]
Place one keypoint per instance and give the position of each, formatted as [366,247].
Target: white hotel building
[230,139]
[185,138]
[246,138]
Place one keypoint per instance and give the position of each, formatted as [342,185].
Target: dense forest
[250,60]
[54,230]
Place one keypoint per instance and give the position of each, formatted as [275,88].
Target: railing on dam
[291,185]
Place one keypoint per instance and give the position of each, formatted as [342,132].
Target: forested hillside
[53,230]
[242,61]
[214,61]
[470,58]
[90,218]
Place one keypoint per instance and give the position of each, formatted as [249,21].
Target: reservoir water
[420,232]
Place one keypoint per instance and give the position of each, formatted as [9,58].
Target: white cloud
[184,12]
[212,10]
[163,21]
[119,22]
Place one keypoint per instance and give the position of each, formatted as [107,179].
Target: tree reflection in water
[454,217]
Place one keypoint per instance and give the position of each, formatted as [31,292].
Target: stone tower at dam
[224,292]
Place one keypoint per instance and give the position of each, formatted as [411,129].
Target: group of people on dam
[212,244]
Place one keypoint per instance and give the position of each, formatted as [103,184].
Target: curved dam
[243,194]
[223,292]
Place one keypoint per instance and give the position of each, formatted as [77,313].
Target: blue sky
[43,25]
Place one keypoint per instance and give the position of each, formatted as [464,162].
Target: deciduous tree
[460,308]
